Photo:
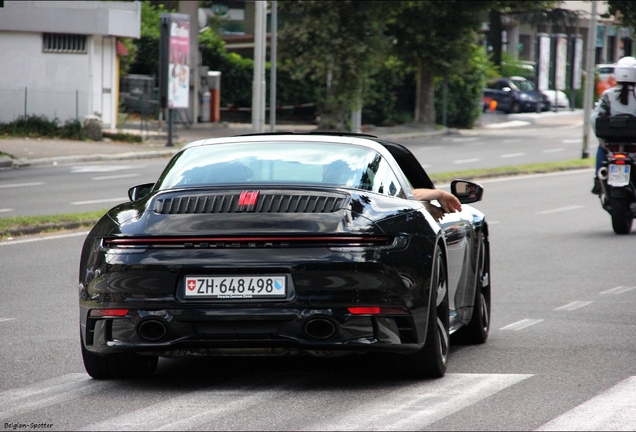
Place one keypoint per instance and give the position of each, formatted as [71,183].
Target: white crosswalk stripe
[48,393]
[613,410]
[399,406]
[415,406]
[188,411]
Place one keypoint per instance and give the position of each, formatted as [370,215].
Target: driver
[615,101]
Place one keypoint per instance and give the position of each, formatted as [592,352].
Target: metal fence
[52,104]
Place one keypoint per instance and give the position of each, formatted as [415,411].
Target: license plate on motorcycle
[618,175]
[235,287]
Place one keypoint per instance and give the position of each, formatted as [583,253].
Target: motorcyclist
[615,101]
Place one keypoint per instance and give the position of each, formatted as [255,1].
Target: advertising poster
[561,62]
[179,65]
[544,63]
[577,64]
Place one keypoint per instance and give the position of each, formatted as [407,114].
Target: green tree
[497,9]
[432,35]
[338,46]
[624,11]
[146,61]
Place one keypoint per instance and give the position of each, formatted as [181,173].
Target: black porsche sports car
[284,244]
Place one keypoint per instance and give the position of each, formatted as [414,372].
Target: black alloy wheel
[431,361]
[622,216]
[118,365]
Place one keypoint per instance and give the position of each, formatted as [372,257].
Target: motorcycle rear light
[102,313]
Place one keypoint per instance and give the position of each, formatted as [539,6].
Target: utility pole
[272,72]
[589,82]
[258,85]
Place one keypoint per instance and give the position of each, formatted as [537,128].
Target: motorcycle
[617,175]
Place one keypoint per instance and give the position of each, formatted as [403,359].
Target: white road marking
[510,141]
[512,155]
[619,290]
[16,402]
[464,139]
[102,168]
[572,141]
[513,123]
[6,210]
[560,209]
[464,161]
[412,407]
[6,319]
[14,185]
[113,177]
[614,409]
[554,150]
[519,325]
[36,239]
[574,305]
[190,410]
[106,200]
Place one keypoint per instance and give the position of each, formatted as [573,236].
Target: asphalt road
[560,355]
[70,188]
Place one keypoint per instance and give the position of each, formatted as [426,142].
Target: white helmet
[625,70]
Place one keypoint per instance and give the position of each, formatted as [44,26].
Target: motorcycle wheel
[622,217]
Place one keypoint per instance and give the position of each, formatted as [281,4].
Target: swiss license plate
[235,287]
[618,175]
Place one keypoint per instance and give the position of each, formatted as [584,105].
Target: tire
[119,365]
[431,360]
[515,108]
[622,217]
[477,330]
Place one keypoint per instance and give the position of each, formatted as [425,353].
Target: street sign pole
[589,82]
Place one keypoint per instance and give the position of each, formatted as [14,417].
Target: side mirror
[466,191]
[140,191]
[506,89]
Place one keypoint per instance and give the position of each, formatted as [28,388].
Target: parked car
[516,94]
[274,244]
[557,99]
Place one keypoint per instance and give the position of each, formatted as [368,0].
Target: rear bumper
[244,331]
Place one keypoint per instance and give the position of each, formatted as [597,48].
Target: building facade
[58,59]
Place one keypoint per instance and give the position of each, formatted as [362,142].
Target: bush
[465,88]
[391,99]
[41,126]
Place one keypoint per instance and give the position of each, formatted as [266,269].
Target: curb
[6,161]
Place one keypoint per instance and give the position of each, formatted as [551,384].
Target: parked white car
[558,99]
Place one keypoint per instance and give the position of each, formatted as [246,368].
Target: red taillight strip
[109,312]
[377,310]
[177,240]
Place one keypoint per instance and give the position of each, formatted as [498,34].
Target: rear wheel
[515,108]
[476,332]
[622,217]
[118,365]
[431,360]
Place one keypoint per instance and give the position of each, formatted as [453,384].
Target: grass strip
[24,225]
[537,168]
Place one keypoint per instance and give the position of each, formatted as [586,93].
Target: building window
[63,43]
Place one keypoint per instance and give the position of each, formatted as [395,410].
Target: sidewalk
[18,152]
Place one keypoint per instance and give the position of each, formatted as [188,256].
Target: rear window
[255,164]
